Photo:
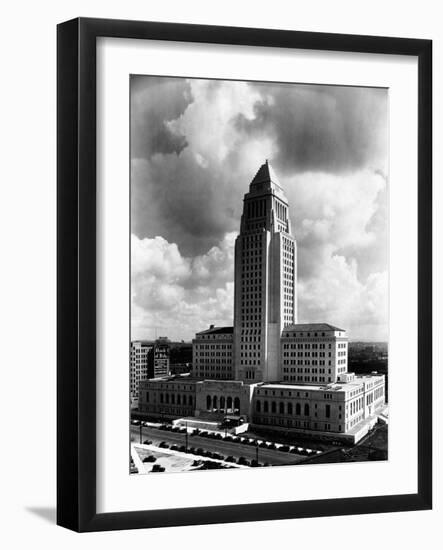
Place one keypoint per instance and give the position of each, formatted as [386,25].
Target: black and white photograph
[221,301]
[259,274]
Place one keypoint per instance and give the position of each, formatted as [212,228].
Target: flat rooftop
[216,330]
[333,386]
[312,327]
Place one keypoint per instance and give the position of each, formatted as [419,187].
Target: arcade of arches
[221,403]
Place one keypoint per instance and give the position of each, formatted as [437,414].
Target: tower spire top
[265,178]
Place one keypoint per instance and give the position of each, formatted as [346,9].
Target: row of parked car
[199,451]
[238,439]
[256,442]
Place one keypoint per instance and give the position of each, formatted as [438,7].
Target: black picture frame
[76,273]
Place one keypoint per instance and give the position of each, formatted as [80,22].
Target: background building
[161,357]
[141,367]
[147,360]
[180,368]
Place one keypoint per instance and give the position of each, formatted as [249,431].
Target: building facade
[340,408]
[223,397]
[265,291]
[161,357]
[313,353]
[212,353]
[168,397]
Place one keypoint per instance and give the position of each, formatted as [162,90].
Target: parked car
[164,445]
[147,442]
[150,458]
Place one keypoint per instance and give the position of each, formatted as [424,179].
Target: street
[226,448]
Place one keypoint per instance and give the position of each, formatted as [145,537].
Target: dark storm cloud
[186,208]
[322,128]
[154,102]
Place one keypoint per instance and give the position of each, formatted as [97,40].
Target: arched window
[306,409]
[265,407]
[273,407]
[298,409]
[167,398]
[179,399]
[229,403]
[222,403]
[289,408]
[189,400]
[237,403]
[281,408]
[173,399]
[208,402]
[214,402]
[258,406]
[161,398]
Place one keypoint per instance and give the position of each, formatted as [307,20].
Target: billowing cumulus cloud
[196,145]
[173,294]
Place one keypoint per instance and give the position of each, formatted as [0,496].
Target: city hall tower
[265,294]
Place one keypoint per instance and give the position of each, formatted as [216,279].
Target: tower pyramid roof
[265,174]
[266,181]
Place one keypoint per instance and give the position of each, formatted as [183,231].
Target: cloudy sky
[196,145]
